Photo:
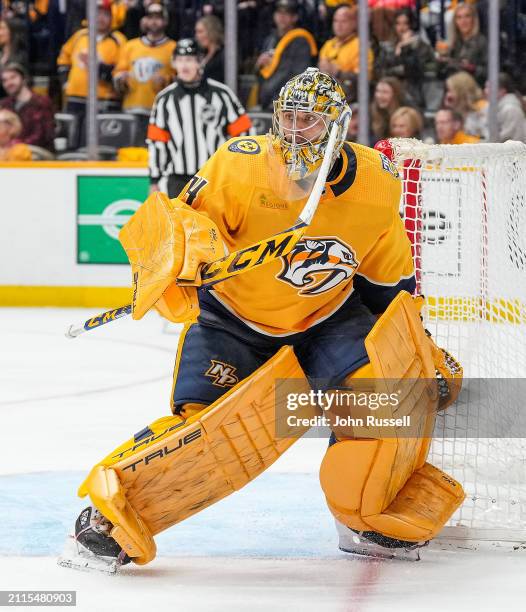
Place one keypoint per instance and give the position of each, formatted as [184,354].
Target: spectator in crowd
[210,37]
[73,66]
[406,122]
[464,96]
[326,9]
[468,50]
[189,120]
[449,128]
[408,58]
[76,12]
[286,52]
[144,68]
[10,128]
[388,97]
[128,15]
[510,111]
[34,111]
[12,48]
[382,16]
[255,21]
[340,56]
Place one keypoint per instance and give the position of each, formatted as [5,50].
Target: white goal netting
[464,208]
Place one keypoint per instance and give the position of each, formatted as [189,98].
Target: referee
[190,119]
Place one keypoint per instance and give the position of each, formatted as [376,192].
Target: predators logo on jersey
[244,145]
[223,374]
[317,265]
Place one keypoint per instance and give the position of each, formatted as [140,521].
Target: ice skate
[376,546]
[92,548]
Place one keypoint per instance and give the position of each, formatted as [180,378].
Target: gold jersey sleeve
[356,229]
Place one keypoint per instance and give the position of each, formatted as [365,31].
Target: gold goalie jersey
[356,240]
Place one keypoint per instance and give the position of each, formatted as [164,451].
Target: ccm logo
[163,452]
[448,480]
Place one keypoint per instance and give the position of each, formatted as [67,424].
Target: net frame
[464,209]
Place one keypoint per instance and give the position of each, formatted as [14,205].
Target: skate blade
[353,544]
[76,556]
[384,553]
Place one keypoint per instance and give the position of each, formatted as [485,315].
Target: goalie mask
[307,107]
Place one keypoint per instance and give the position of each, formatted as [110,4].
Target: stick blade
[73,331]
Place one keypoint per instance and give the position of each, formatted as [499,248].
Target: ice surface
[277,515]
[271,546]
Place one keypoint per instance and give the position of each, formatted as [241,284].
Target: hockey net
[464,208]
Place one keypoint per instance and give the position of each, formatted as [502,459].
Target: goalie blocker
[175,467]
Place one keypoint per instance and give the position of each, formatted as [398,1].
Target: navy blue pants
[219,350]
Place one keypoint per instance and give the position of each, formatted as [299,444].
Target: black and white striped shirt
[187,125]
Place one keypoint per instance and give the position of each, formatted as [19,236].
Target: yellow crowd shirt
[143,60]
[346,55]
[461,137]
[356,230]
[16,152]
[334,4]
[74,55]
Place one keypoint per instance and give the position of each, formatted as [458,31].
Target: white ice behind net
[464,208]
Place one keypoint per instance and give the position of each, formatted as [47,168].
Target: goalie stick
[240,261]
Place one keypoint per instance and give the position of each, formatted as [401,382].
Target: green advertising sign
[104,204]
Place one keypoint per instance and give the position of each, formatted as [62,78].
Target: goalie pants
[219,350]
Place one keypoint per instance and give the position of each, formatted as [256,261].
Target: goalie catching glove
[167,242]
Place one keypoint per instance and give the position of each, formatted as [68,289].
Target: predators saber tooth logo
[316,265]
[223,374]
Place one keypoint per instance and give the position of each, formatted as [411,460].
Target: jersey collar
[343,173]
[146,41]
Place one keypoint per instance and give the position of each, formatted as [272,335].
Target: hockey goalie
[334,309]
